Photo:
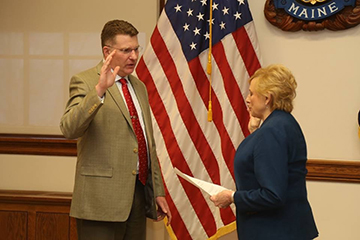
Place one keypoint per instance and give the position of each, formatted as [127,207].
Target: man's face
[126,56]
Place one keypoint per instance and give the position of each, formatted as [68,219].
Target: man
[109,114]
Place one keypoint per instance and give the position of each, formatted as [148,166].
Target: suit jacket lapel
[116,96]
[141,96]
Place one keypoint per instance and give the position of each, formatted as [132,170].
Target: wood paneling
[13,225]
[55,226]
[36,215]
[320,170]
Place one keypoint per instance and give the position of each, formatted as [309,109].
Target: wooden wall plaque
[312,15]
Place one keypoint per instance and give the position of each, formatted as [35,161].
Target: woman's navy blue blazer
[270,170]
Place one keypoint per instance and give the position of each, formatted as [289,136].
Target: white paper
[209,188]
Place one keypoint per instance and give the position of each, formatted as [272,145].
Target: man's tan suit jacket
[107,150]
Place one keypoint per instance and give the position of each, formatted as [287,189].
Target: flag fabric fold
[173,68]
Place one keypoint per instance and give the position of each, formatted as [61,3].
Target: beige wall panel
[12,92]
[54,41]
[45,92]
[41,173]
[63,37]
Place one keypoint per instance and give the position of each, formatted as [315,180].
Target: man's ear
[106,51]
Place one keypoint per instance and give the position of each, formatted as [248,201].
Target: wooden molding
[56,145]
[35,197]
[51,145]
[330,170]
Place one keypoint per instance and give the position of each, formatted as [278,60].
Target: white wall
[325,64]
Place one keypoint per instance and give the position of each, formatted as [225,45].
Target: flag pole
[209,67]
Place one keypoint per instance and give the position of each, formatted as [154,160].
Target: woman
[270,165]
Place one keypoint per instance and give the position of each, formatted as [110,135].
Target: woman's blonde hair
[278,81]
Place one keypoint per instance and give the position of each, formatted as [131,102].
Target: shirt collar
[117,78]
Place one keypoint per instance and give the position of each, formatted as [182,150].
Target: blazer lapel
[141,96]
[116,96]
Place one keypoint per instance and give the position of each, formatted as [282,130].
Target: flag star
[200,16]
[215,6]
[178,8]
[203,2]
[241,2]
[186,27]
[222,25]
[190,12]
[225,11]
[193,0]
[207,35]
[212,21]
[237,15]
[197,31]
[193,46]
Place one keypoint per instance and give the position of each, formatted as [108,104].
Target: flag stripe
[187,115]
[202,85]
[246,50]
[194,195]
[233,92]
[179,228]
[173,69]
[172,42]
[185,109]
[142,71]
[176,193]
[167,133]
[227,215]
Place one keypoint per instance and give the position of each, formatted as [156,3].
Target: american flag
[173,67]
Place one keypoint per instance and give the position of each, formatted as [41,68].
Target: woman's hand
[223,199]
[254,124]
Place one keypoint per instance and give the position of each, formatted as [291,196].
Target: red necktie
[143,165]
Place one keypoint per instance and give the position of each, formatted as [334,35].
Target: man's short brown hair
[115,27]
